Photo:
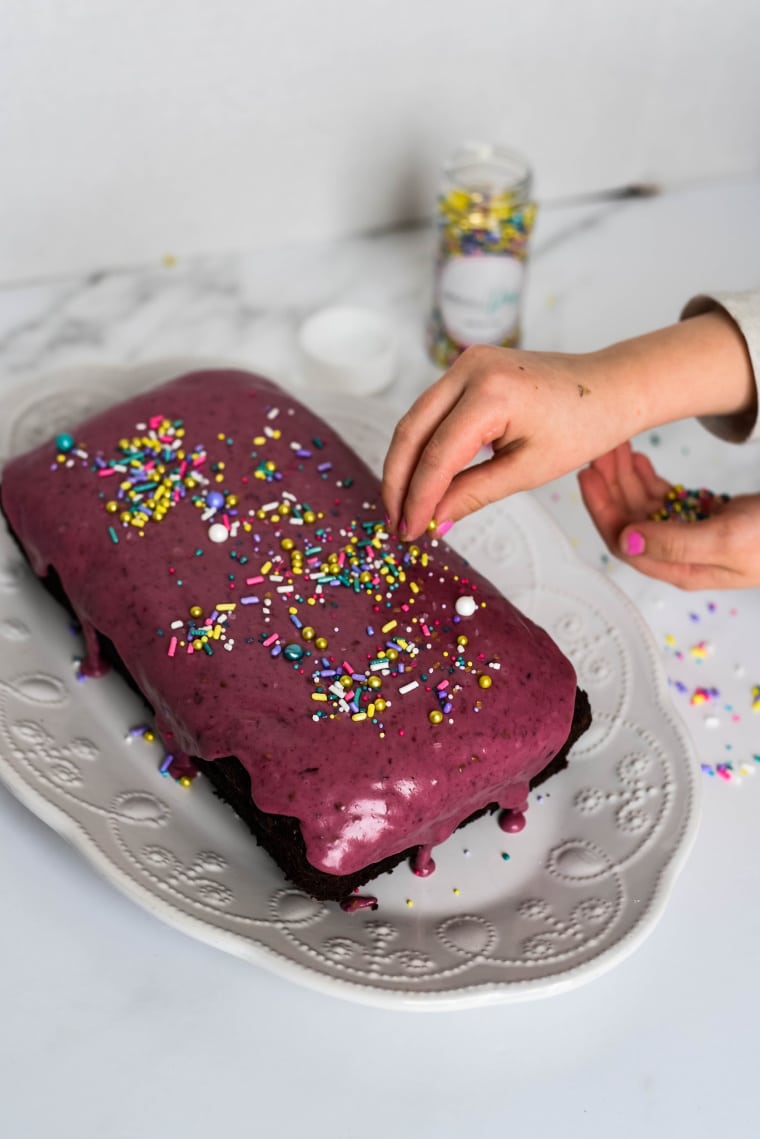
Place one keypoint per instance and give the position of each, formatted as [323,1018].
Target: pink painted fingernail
[443,528]
[403,528]
[634,543]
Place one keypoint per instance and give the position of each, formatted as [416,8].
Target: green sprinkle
[114,536]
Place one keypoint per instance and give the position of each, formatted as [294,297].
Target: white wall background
[133,128]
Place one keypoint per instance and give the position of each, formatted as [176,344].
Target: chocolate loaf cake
[353,697]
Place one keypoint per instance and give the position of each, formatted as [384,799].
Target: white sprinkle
[284,588]
[177,625]
[270,506]
[218,532]
[408,688]
[494,664]
[466,606]
[269,432]
[273,413]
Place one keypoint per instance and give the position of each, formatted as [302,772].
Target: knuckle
[433,458]
[472,501]
[402,432]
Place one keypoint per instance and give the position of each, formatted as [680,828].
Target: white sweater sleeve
[744,310]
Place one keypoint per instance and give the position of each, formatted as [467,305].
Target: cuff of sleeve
[744,310]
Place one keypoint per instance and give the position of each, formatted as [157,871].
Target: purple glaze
[512,821]
[422,862]
[361,791]
[358,902]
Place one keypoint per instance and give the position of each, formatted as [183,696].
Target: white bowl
[352,350]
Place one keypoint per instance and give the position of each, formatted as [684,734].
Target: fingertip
[632,542]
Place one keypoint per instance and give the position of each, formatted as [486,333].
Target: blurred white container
[350,350]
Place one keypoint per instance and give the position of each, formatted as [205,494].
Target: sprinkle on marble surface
[703,695]
[700,651]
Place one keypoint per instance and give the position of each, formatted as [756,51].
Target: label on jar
[479,298]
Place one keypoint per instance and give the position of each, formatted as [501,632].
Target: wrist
[700,367]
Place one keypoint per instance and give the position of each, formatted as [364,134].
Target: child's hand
[543,414]
[621,491]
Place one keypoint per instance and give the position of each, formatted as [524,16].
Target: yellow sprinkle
[414,587]
[319,696]
[359,716]
[227,607]
[267,566]
[455,890]
[409,902]
[259,440]
[389,625]
[370,710]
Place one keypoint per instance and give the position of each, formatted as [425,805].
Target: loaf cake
[355,698]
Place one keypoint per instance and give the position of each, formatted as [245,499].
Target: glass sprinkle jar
[484,217]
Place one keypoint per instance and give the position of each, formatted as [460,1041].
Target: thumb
[687,543]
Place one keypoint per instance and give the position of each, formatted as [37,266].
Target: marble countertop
[118,1026]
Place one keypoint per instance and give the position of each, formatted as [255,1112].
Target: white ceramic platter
[504,917]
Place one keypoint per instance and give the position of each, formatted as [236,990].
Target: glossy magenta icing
[363,783]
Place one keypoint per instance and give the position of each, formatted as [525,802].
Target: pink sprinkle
[154,421]
[271,640]
[347,667]
[253,580]
[226,521]
[405,608]
[172,647]
[104,472]
[442,684]
[425,630]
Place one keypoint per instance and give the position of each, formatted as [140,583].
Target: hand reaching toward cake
[502,420]
[539,414]
[622,493]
